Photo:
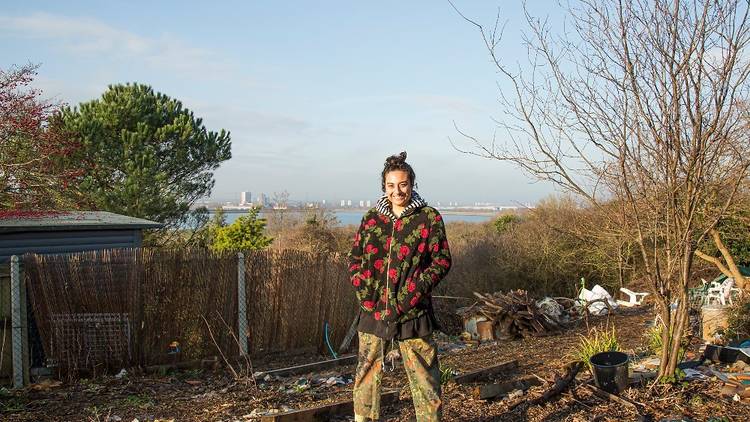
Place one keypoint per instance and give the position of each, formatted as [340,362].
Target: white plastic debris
[122,374]
[597,293]
[550,307]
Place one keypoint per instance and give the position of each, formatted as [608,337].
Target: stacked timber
[515,314]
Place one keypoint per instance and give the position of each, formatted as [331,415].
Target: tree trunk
[739,279]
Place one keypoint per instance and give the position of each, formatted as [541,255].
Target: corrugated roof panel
[70,220]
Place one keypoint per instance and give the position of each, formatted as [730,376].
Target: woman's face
[398,187]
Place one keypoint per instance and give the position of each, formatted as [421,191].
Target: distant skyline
[315,95]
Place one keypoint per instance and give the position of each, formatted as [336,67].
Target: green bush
[246,233]
[738,319]
[654,340]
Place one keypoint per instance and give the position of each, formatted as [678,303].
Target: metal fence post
[241,304]
[16,322]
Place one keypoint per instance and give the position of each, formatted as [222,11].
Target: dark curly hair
[397,162]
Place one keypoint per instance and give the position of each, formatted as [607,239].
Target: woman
[400,254]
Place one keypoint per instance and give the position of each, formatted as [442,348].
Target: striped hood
[384,206]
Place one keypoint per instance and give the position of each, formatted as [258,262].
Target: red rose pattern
[416,238]
[403,251]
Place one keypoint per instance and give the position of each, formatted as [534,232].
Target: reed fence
[111,309]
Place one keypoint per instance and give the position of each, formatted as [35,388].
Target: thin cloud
[90,37]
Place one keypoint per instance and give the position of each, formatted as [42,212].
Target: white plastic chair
[634,298]
[722,292]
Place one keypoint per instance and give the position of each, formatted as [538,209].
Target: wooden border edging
[309,367]
[327,411]
[485,372]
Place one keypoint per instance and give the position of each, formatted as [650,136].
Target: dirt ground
[213,396]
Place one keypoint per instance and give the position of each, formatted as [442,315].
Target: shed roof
[13,222]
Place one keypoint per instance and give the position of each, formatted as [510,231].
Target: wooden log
[561,384]
[485,372]
[635,407]
[310,367]
[326,412]
[490,391]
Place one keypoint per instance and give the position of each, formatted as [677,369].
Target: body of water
[346,218]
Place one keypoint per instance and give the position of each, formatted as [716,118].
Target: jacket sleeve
[355,263]
[438,267]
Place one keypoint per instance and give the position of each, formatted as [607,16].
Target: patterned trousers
[421,365]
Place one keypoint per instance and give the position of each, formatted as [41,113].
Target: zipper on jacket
[388,269]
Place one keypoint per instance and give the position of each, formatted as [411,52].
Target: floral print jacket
[396,262]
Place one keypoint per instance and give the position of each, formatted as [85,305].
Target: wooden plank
[328,411]
[486,372]
[640,377]
[490,391]
[310,367]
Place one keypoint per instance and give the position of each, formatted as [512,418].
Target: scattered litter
[598,295]
[634,298]
[550,307]
[692,374]
[515,394]
[122,374]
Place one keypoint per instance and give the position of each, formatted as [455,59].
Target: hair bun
[396,159]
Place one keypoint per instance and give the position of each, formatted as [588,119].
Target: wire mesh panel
[91,338]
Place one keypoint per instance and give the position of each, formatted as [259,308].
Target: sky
[315,94]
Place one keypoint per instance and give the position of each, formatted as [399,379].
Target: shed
[58,233]
[68,232]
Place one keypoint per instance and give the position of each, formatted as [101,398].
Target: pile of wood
[515,314]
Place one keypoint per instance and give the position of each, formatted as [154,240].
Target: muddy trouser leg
[368,377]
[422,368]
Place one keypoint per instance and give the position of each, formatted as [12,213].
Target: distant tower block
[348,202]
[343,203]
[361,204]
[368,203]
[245,198]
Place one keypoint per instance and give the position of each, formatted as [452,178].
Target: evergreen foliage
[152,158]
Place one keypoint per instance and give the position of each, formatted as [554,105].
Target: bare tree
[641,106]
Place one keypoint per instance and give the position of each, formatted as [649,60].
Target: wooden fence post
[241,304]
